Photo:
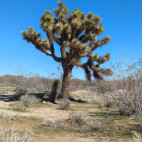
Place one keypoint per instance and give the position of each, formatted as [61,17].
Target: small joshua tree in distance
[76,34]
[54,89]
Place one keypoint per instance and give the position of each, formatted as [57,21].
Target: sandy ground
[50,111]
[41,112]
[46,112]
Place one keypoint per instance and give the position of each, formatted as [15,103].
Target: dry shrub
[30,100]
[96,126]
[50,124]
[129,100]
[6,114]
[105,105]
[26,101]
[108,104]
[53,125]
[63,104]
[32,83]
[19,106]
[76,121]
[104,101]
[103,88]
[19,92]
[79,122]
[13,135]
[129,97]
[136,137]
[77,84]
[126,89]
[77,118]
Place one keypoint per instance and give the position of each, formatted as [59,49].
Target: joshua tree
[76,34]
[54,89]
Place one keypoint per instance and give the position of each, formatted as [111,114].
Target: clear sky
[122,20]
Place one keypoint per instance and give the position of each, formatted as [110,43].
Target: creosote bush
[126,89]
[129,100]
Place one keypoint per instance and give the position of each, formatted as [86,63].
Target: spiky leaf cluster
[76,31]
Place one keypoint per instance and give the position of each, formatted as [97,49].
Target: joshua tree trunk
[66,82]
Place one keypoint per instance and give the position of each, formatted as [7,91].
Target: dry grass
[117,127]
[13,135]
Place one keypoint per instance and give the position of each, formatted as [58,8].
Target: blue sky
[122,20]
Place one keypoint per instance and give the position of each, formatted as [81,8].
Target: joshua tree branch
[103,71]
[34,38]
[56,38]
[63,52]
[100,43]
[50,38]
[73,33]
[53,54]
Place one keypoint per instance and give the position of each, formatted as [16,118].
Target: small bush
[30,100]
[103,89]
[50,124]
[105,101]
[19,106]
[77,119]
[19,92]
[26,101]
[129,100]
[53,125]
[126,88]
[96,126]
[79,122]
[63,104]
